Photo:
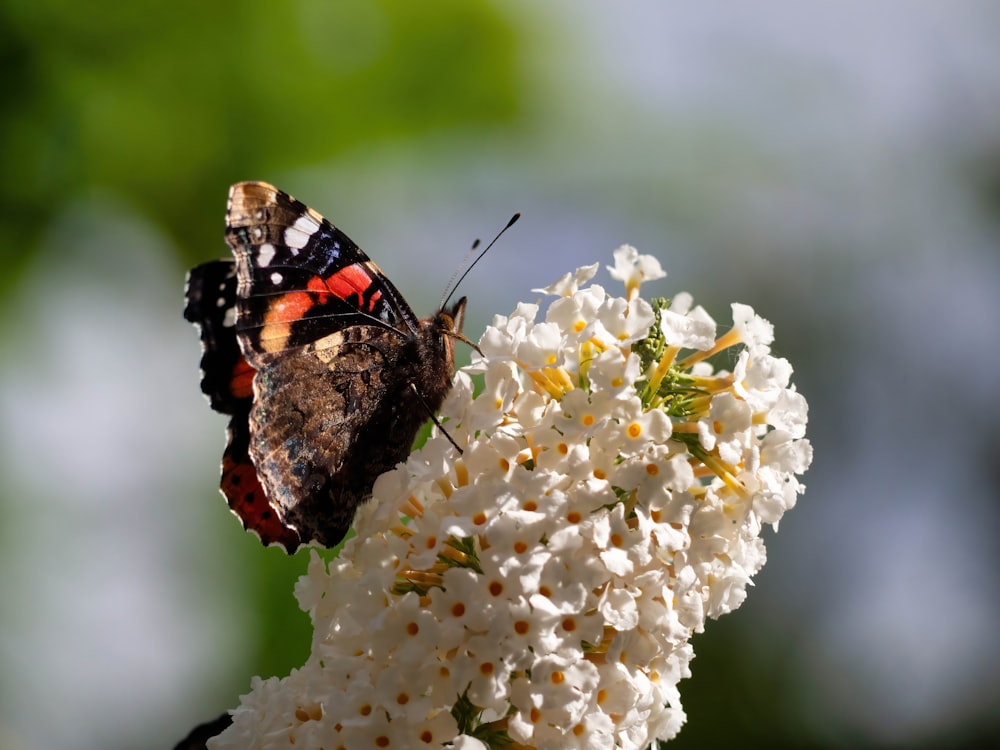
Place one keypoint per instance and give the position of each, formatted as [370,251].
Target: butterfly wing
[341,373]
[210,303]
[333,344]
[227,380]
[299,277]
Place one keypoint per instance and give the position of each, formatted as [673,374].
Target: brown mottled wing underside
[338,413]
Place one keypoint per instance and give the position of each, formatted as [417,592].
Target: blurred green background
[836,167]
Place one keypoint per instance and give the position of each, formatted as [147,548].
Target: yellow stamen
[699,406]
[669,354]
[711,384]
[597,344]
[412,507]
[453,554]
[723,342]
[554,381]
[421,577]
[403,532]
[586,357]
[562,377]
[726,473]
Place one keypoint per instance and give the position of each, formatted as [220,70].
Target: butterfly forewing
[301,278]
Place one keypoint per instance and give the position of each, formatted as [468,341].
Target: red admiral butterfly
[325,369]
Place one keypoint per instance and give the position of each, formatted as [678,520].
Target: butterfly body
[325,369]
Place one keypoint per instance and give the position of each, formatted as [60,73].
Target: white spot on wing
[229,320]
[298,234]
[276,278]
[265,255]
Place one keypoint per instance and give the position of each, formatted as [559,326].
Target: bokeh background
[835,165]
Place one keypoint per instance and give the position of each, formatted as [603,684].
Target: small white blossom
[621,323]
[570,282]
[541,586]
[691,329]
[754,331]
[577,313]
[633,269]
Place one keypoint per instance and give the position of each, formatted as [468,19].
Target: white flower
[501,338]
[568,284]
[577,312]
[726,428]
[542,586]
[690,329]
[614,374]
[620,322]
[754,331]
[633,269]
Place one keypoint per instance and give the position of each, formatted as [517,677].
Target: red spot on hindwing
[241,379]
[249,502]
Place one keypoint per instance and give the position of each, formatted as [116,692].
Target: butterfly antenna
[450,289]
[451,285]
[433,416]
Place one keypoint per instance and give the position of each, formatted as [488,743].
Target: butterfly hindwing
[320,456]
[227,380]
[210,298]
[244,491]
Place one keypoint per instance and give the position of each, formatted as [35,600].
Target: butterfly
[325,371]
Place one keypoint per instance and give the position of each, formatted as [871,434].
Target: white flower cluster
[609,497]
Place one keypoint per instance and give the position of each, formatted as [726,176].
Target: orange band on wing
[351,282]
[279,317]
[288,308]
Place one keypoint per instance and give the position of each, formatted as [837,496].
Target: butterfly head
[448,326]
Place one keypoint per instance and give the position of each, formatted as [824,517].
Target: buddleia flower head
[539,589]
